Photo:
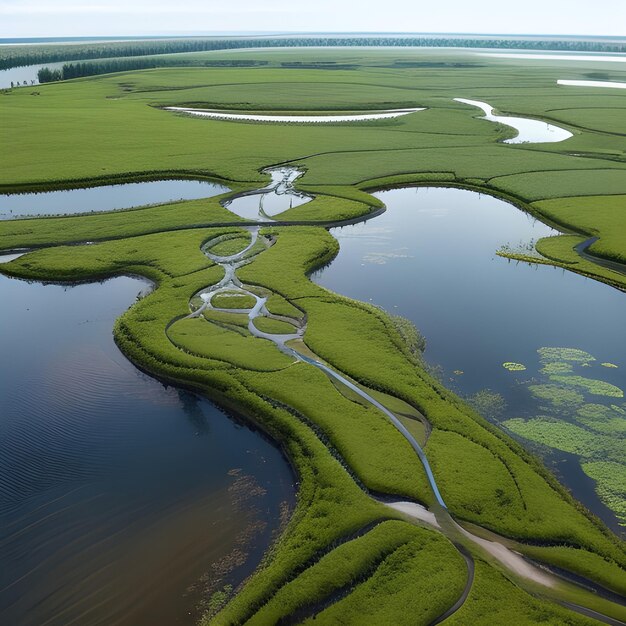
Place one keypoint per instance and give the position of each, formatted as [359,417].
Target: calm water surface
[120,499]
[431,258]
[105,198]
[528,130]
[26,73]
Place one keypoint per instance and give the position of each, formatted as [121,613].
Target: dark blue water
[431,258]
[119,498]
[105,198]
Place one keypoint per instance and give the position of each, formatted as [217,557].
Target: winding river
[528,130]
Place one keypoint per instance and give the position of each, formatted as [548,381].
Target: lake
[121,500]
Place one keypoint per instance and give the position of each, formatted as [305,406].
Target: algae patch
[590,385]
[557,367]
[558,396]
[513,367]
[565,354]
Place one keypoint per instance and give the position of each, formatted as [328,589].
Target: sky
[56,18]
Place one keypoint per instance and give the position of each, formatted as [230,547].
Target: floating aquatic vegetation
[513,367]
[611,485]
[590,385]
[610,365]
[570,438]
[488,403]
[565,354]
[381,258]
[560,397]
[610,420]
[557,367]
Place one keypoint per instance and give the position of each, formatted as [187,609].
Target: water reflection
[111,505]
[279,195]
[528,131]
[105,197]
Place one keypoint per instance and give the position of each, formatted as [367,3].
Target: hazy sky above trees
[33,18]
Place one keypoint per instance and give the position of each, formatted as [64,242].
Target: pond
[105,197]
[122,500]
[431,258]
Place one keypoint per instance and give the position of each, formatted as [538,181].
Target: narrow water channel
[528,130]
[431,258]
[122,501]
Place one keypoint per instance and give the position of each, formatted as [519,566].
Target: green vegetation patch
[513,367]
[609,365]
[360,434]
[488,403]
[376,568]
[494,599]
[561,398]
[557,367]
[560,251]
[611,479]
[273,327]
[573,355]
[411,336]
[204,339]
[232,301]
[394,592]
[239,320]
[325,209]
[602,418]
[569,438]
[590,385]
[277,305]
[494,496]
[601,215]
[230,246]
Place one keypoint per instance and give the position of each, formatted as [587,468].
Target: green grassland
[343,451]
[94,129]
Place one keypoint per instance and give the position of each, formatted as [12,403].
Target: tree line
[93,68]
[15,56]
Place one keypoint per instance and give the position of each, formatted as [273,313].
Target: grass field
[343,554]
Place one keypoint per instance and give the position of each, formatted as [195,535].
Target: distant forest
[92,68]
[15,56]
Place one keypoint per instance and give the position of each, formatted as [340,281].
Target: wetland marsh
[363,415]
